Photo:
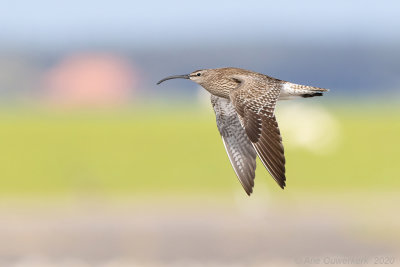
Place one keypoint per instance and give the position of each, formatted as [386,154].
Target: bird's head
[217,81]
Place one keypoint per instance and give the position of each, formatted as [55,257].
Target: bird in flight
[244,103]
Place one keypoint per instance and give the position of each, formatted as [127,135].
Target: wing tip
[281,181]
[247,189]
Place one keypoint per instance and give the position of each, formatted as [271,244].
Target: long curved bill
[186,76]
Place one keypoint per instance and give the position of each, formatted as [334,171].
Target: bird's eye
[198,74]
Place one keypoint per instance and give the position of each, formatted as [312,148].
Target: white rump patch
[288,92]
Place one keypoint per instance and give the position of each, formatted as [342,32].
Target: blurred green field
[148,151]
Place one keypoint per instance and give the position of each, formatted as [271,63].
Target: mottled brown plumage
[244,104]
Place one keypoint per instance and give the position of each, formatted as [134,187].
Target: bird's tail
[291,90]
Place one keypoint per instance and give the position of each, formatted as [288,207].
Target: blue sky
[156,23]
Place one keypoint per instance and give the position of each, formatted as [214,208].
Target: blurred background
[101,167]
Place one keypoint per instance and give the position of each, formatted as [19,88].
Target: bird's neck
[219,89]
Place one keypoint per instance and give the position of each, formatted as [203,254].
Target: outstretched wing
[255,103]
[238,146]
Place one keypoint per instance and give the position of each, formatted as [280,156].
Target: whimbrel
[244,104]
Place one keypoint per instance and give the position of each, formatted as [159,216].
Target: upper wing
[255,103]
[238,146]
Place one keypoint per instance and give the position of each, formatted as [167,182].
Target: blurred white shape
[308,126]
